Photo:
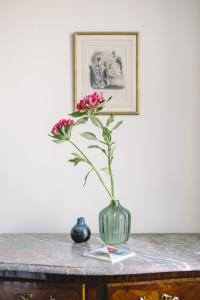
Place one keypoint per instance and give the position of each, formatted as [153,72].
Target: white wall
[157,167]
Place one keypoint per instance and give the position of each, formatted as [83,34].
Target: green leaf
[86,177]
[63,130]
[106,135]
[109,99]
[57,137]
[88,135]
[82,120]
[111,153]
[96,121]
[94,146]
[117,125]
[102,142]
[99,108]
[98,147]
[58,141]
[110,120]
[77,155]
[76,160]
[77,114]
[106,170]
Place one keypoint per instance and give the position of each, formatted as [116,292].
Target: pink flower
[81,106]
[55,130]
[66,123]
[90,102]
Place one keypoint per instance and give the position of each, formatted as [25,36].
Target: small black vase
[80,233]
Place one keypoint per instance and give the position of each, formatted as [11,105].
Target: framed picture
[108,62]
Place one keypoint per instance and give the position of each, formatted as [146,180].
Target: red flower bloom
[81,106]
[92,101]
[66,123]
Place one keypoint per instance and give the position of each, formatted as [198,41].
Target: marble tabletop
[57,254]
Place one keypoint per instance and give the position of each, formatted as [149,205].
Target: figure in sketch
[114,71]
[98,72]
[106,71]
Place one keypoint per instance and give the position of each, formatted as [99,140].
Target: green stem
[93,167]
[110,172]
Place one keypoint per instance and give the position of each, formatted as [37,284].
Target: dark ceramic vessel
[80,233]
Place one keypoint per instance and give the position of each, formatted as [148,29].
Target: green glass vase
[114,223]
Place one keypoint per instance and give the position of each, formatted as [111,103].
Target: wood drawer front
[184,289]
[16,290]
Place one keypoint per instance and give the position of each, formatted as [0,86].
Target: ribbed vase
[114,223]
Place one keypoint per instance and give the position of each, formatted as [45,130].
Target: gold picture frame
[108,62]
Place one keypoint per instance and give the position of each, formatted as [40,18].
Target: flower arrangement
[88,109]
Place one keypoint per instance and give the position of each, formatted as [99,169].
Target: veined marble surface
[56,253]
